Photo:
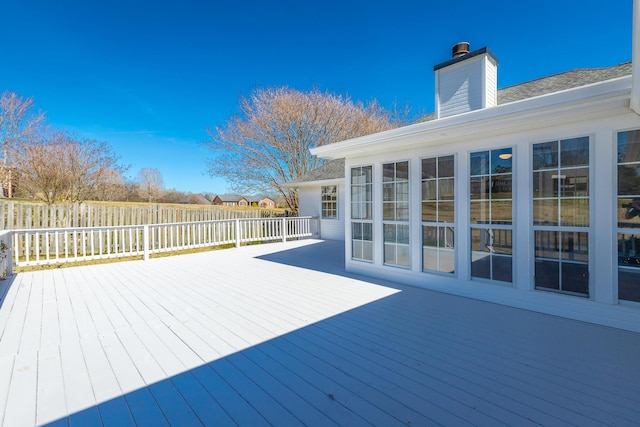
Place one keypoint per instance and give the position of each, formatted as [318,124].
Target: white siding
[309,202]
[491,80]
[602,226]
[466,86]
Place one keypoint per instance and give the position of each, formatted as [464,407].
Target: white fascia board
[333,181]
[599,99]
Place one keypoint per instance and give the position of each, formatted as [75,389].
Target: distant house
[230,200]
[263,202]
[496,195]
[194,199]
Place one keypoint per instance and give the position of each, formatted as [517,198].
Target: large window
[561,215]
[629,215]
[362,213]
[491,214]
[395,212]
[438,184]
[329,202]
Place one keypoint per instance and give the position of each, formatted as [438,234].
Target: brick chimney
[467,82]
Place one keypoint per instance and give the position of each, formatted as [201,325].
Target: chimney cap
[460,49]
[466,57]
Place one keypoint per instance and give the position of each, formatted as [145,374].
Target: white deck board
[279,334]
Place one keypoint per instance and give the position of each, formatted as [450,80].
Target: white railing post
[284,230]
[145,242]
[238,233]
[7,261]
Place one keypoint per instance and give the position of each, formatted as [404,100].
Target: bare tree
[66,168]
[267,143]
[18,125]
[150,184]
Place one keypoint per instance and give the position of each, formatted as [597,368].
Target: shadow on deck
[415,357]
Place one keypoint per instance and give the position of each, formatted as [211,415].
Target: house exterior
[230,200]
[527,196]
[321,195]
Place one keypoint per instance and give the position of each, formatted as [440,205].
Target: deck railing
[59,245]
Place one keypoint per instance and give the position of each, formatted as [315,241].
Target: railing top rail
[139,227]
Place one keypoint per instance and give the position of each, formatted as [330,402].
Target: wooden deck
[279,335]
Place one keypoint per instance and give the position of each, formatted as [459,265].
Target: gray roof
[568,80]
[562,81]
[332,169]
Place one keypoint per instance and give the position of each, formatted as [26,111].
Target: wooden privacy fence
[19,215]
[59,245]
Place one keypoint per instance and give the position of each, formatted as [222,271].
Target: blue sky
[151,77]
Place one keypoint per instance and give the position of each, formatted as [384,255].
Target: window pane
[388,191]
[502,268]
[501,212]
[390,233]
[402,191]
[356,249]
[402,234]
[445,189]
[446,237]
[629,146]
[479,188]
[429,236]
[388,172]
[429,168]
[574,152]
[629,267]
[356,230]
[402,255]
[429,211]
[545,155]
[547,274]
[367,231]
[545,212]
[447,261]
[574,182]
[629,212]
[575,277]
[501,187]
[547,244]
[480,163]
[429,190]
[402,211]
[501,161]
[545,184]
[445,212]
[481,265]
[629,284]
[402,171]
[367,250]
[480,212]
[502,241]
[574,212]
[368,210]
[629,179]
[389,211]
[575,246]
[390,253]
[430,259]
[445,167]
[480,240]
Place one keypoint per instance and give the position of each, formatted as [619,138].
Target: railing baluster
[121,241]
